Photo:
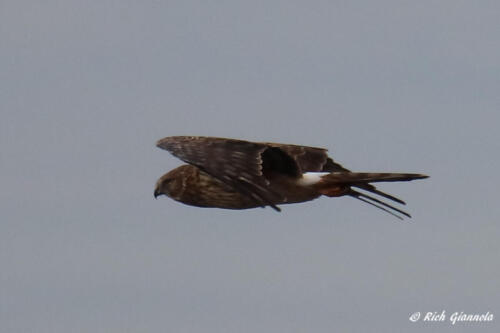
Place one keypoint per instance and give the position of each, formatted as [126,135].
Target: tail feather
[372,189]
[353,178]
[360,196]
[377,206]
[339,183]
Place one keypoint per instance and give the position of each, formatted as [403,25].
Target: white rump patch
[310,178]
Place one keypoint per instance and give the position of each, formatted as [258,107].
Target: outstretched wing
[236,163]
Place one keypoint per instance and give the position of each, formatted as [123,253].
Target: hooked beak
[156,194]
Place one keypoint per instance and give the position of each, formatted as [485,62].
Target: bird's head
[164,186]
[171,184]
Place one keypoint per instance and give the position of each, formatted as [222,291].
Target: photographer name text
[455,317]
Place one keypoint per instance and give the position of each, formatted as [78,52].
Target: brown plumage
[237,174]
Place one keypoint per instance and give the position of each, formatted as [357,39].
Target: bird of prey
[237,174]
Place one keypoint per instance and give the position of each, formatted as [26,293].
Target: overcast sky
[87,87]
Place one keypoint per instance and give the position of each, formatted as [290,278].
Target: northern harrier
[237,174]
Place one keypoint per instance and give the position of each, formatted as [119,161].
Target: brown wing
[310,159]
[237,163]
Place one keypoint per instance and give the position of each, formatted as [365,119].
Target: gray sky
[88,87]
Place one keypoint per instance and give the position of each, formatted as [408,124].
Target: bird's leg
[335,191]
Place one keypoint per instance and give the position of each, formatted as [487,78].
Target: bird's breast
[203,190]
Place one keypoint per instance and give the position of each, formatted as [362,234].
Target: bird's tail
[368,177]
[341,183]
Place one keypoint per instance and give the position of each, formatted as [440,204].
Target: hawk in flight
[237,174]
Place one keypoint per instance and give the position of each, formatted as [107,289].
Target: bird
[237,174]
